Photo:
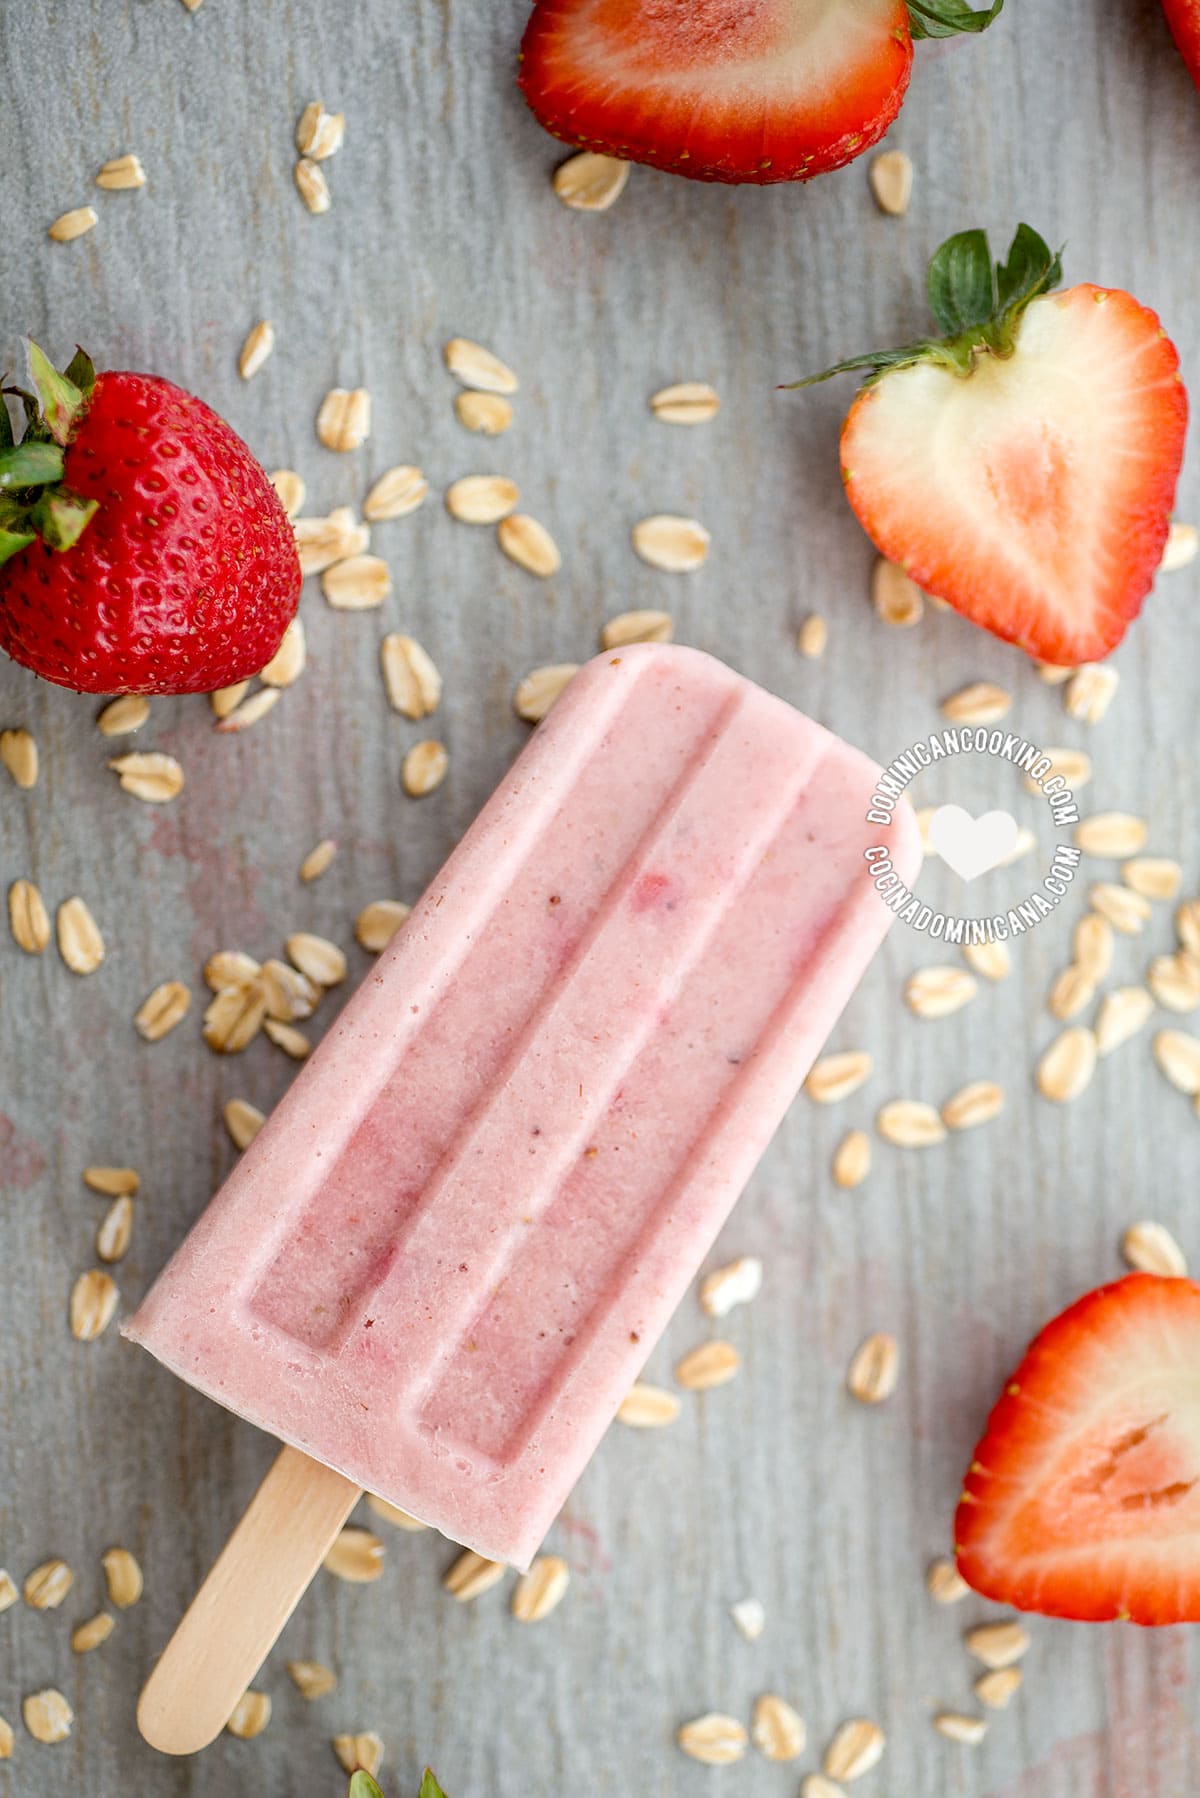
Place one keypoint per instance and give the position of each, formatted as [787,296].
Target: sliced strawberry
[1183,16]
[1083,1498]
[1022,468]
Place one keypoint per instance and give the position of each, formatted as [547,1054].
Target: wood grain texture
[1074,114]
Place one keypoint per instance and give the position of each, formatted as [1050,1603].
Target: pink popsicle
[445,1259]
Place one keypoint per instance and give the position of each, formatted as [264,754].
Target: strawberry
[1083,1499]
[729,90]
[1022,466]
[1183,16]
[142,548]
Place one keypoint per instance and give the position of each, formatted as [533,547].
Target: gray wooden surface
[1074,114]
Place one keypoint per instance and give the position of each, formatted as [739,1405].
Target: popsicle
[448,1254]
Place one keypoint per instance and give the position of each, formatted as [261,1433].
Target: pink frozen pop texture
[445,1259]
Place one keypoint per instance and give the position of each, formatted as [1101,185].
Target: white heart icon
[972,846]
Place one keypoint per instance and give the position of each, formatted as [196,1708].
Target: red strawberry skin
[186,577]
[719,90]
[1183,16]
[1083,1498]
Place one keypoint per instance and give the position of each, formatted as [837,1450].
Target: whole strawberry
[142,548]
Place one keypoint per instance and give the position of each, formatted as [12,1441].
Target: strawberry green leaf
[30,465]
[12,541]
[363,1786]
[430,1787]
[962,289]
[6,431]
[60,518]
[61,400]
[948,18]
[1032,268]
[81,371]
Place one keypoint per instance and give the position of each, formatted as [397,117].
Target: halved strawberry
[729,90]
[1023,466]
[1083,1499]
[1183,16]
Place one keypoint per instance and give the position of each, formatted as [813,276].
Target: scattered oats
[488,413]
[230,967]
[8,1590]
[288,662]
[676,545]
[936,992]
[540,1590]
[529,544]
[1053,673]
[980,703]
[1071,992]
[72,224]
[290,488]
[777,1730]
[977,1103]
[897,599]
[874,1369]
[1067,1066]
[997,1644]
[590,182]
[377,923]
[1187,925]
[312,185]
[647,1407]
[715,1739]
[910,1124]
[413,683]
[1178,1057]
[424,768]
[925,816]
[1183,542]
[835,1077]
[318,860]
[89,1635]
[243,1121]
[1122,1014]
[79,941]
[1154,877]
[711,1364]
[225,699]
[166,1006]
[344,420]
[1175,980]
[311,1679]
[47,1586]
[992,960]
[812,637]
[234,1018]
[357,1555]
[401,1520]
[365,1751]
[359,584]
[472,1575]
[260,341]
[852,1159]
[944,1583]
[320,542]
[6,1739]
[959,1728]
[48,1716]
[891,177]
[19,753]
[1072,765]
[27,917]
[120,173]
[637,627]
[93,1302]
[1093,945]
[482,498]
[1089,691]
[541,687]
[815,1785]
[735,1284]
[686,403]
[115,1231]
[750,1617]
[1152,1249]
[113,1182]
[121,717]
[293,1042]
[1125,910]
[251,710]
[153,777]
[319,133]
[476,367]
[322,961]
[855,1749]
[1112,835]
[251,1714]
[995,1689]
[396,493]
[290,994]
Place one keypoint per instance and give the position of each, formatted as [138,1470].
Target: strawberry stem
[33,501]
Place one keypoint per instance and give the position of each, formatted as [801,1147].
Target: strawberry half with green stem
[1022,466]
[1183,16]
[729,90]
[142,548]
[1083,1498]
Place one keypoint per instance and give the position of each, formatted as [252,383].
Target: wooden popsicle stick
[255,1584]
